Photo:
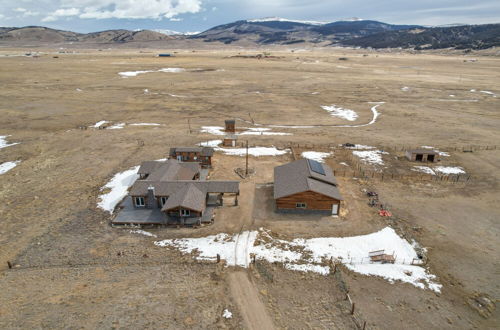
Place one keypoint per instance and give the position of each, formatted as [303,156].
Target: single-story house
[174,194]
[306,186]
[202,155]
[422,155]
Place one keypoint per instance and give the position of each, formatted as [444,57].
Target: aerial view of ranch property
[219,181]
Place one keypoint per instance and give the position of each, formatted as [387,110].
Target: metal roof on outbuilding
[297,177]
[203,151]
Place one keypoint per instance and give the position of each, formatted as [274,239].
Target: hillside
[34,34]
[281,31]
[458,37]
[276,31]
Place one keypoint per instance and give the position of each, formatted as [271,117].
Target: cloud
[124,9]
[61,13]
[19,10]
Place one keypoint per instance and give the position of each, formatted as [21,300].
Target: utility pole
[246,167]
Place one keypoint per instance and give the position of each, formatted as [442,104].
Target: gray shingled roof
[204,151]
[168,188]
[169,170]
[149,166]
[189,197]
[297,176]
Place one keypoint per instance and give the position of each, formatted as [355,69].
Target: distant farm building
[164,55]
[230,126]
[202,155]
[306,186]
[229,140]
[422,155]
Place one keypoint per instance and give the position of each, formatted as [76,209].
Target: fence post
[352,308]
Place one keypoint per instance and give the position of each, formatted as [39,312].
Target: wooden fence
[336,146]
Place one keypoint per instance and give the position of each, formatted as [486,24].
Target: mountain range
[275,30]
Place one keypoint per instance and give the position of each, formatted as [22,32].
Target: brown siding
[313,200]
[176,212]
[189,157]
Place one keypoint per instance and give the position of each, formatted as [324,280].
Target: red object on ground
[385,213]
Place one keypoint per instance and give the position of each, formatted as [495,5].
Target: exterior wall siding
[313,200]
[176,213]
[190,157]
[413,157]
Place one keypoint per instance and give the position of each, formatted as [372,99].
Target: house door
[335,209]
[419,157]
[233,143]
[179,158]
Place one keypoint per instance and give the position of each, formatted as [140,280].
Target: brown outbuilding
[202,155]
[229,140]
[230,126]
[306,186]
[422,155]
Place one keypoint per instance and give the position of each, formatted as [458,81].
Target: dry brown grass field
[73,270]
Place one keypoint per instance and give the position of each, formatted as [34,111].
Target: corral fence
[371,174]
[402,148]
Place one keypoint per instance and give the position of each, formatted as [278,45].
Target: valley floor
[72,269]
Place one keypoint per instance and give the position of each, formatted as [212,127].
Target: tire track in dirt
[243,290]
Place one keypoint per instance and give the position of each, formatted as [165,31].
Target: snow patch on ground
[214,130]
[317,156]
[359,147]
[441,153]
[143,232]
[343,163]
[3,142]
[312,255]
[489,93]
[254,151]
[218,130]
[100,123]
[449,169]
[405,88]
[127,74]
[212,143]
[118,186]
[145,124]
[423,169]
[7,166]
[347,114]
[373,157]
[260,131]
[117,126]
[227,314]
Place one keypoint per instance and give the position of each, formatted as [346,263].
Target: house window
[163,200]
[139,201]
[185,213]
[300,205]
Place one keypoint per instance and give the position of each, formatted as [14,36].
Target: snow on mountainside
[280,19]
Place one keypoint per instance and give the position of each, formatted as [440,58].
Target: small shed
[230,125]
[229,140]
[422,155]
[164,55]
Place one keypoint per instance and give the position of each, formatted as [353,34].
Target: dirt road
[252,309]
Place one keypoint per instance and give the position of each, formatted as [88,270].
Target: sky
[199,15]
